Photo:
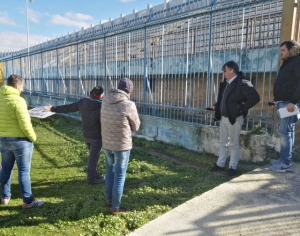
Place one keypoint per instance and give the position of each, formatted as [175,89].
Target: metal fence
[173,52]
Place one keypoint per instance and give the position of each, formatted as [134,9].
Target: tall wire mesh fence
[172,52]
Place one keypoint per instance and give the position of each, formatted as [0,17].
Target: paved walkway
[261,202]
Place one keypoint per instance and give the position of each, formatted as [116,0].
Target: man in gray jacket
[119,117]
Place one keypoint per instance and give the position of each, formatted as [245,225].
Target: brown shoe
[108,203]
[119,211]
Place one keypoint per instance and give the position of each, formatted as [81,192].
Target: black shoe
[96,181]
[108,203]
[217,168]
[99,177]
[231,172]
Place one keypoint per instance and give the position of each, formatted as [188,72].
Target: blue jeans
[286,131]
[17,150]
[94,147]
[230,137]
[116,167]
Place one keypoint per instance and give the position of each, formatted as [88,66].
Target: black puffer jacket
[90,114]
[287,84]
[241,97]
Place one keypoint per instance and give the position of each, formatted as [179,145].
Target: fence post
[57,73]
[297,20]
[105,65]
[1,73]
[208,90]
[78,70]
[288,20]
[145,69]
[44,87]
[21,69]
[12,63]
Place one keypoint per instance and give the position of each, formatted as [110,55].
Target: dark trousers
[95,147]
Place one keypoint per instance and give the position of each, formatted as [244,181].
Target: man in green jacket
[16,141]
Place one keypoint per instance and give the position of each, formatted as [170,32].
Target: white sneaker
[275,162]
[33,204]
[5,201]
[282,168]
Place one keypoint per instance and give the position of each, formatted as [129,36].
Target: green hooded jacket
[15,121]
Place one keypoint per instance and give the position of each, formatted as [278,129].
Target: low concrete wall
[254,148]
[199,138]
[170,131]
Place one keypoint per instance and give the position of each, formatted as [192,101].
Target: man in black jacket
[287,95]
[236,96]
[89,109]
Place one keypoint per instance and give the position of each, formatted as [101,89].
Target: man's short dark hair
[289,44]
[13,80]
[292,46]
[231,65]
[97,91]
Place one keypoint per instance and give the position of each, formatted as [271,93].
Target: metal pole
[129,55]
[105,66]
[78,70]
[116,54]
[94,58]
[44,87]
[145,68]
[28,61]
[57,73]
[208,89]
[187,63]
[162,65]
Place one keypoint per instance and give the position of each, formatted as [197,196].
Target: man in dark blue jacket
[89,109]
[287,95]
[236,96]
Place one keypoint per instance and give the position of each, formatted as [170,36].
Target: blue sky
[51,18]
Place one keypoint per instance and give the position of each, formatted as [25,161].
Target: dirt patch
[180,161]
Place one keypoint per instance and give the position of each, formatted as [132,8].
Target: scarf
[95,96]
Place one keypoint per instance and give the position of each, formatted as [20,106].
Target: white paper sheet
[40,112]
[283,112]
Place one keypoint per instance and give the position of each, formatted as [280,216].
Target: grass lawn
[159,178]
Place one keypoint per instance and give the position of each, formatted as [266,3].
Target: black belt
[21,138]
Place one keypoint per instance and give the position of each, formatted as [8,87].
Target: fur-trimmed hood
[295,50]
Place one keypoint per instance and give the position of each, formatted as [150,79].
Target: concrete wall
[257,147]
[206,138]
[170,131]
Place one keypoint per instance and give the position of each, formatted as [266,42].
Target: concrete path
[261,202]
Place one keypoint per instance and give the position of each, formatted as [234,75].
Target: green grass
[154,185]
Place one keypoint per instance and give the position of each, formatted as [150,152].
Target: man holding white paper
[287,97]
[89,109]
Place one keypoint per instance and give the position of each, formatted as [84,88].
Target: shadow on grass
[155,184]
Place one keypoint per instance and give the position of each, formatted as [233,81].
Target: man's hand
[272,104]
[48,108]
[291,107]
[210,109]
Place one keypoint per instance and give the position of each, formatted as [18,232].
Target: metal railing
[172,52]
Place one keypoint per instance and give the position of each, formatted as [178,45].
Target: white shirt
[229,81]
